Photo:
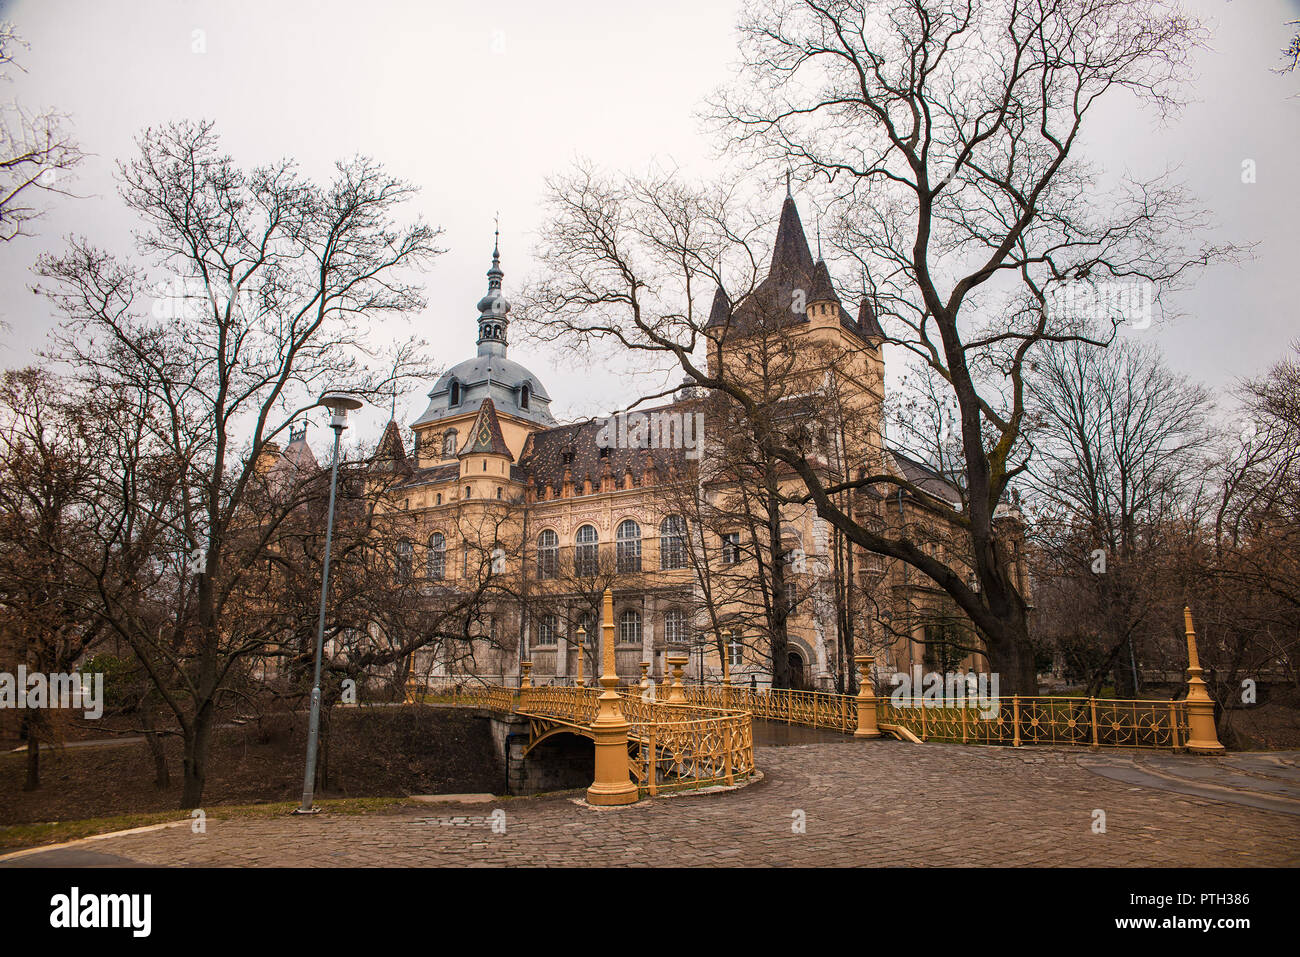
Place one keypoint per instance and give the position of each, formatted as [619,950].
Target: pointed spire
[721,307]
[867,321]
[390,456]
[485,437]
[823,290]
[493,307]
[790,255]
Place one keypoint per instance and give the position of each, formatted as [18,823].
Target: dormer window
[455,393]
[524,393]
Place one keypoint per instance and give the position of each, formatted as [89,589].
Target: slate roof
[546,455]
[792,268]
[924,477]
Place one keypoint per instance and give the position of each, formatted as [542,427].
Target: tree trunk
[198,740]
[33,781]
[1011,658]
[161,776]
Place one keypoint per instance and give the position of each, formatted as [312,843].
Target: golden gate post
[613,784]
[1203,737]
[676,690]
[866,699]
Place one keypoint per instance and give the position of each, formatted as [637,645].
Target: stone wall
[560,763]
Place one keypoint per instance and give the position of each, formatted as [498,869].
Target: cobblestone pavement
[878,803]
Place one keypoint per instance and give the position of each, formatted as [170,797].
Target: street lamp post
[339,404]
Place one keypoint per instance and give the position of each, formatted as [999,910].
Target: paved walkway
[1267,780]
[833,802]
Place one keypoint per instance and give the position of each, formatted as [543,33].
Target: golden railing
[572,705]
[1015,720]
[706,734]
[674,746]
[1018,720]
[670,746]
[812,709]
[693,733]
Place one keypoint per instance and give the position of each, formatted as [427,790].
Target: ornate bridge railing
[671,746]
[704,735]
[1016,721]
[686,745]
[812,709]
[1013,721]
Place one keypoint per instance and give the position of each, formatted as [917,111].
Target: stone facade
[491,477]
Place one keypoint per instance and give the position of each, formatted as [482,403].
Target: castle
[494,483]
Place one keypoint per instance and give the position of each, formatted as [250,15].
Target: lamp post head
[339,404]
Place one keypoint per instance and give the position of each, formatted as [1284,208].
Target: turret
[493,309]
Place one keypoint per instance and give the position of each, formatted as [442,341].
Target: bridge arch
[557,759]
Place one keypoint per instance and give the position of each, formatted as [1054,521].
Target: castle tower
[521,404]
[485,459]
[493,309]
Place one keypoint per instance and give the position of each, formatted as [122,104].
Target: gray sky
[478,103]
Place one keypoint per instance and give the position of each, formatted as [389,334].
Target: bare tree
[1251,562]
[1119,481]
[50,443]
[36,150]
[266,286]
[948,131]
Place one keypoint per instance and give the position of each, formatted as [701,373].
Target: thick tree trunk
[1011,658]
[198,740]
[780,612]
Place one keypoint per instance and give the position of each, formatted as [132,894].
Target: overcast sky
[477,103]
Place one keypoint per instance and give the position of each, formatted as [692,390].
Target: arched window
[524,394]
[548,554]
[449,444]
[629,547]
[629,627]
[436,563]
[439,498]
[676,631]
[585,553]
[405,549]
[672,542]
[498,491]
[546,627]
[454,398]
